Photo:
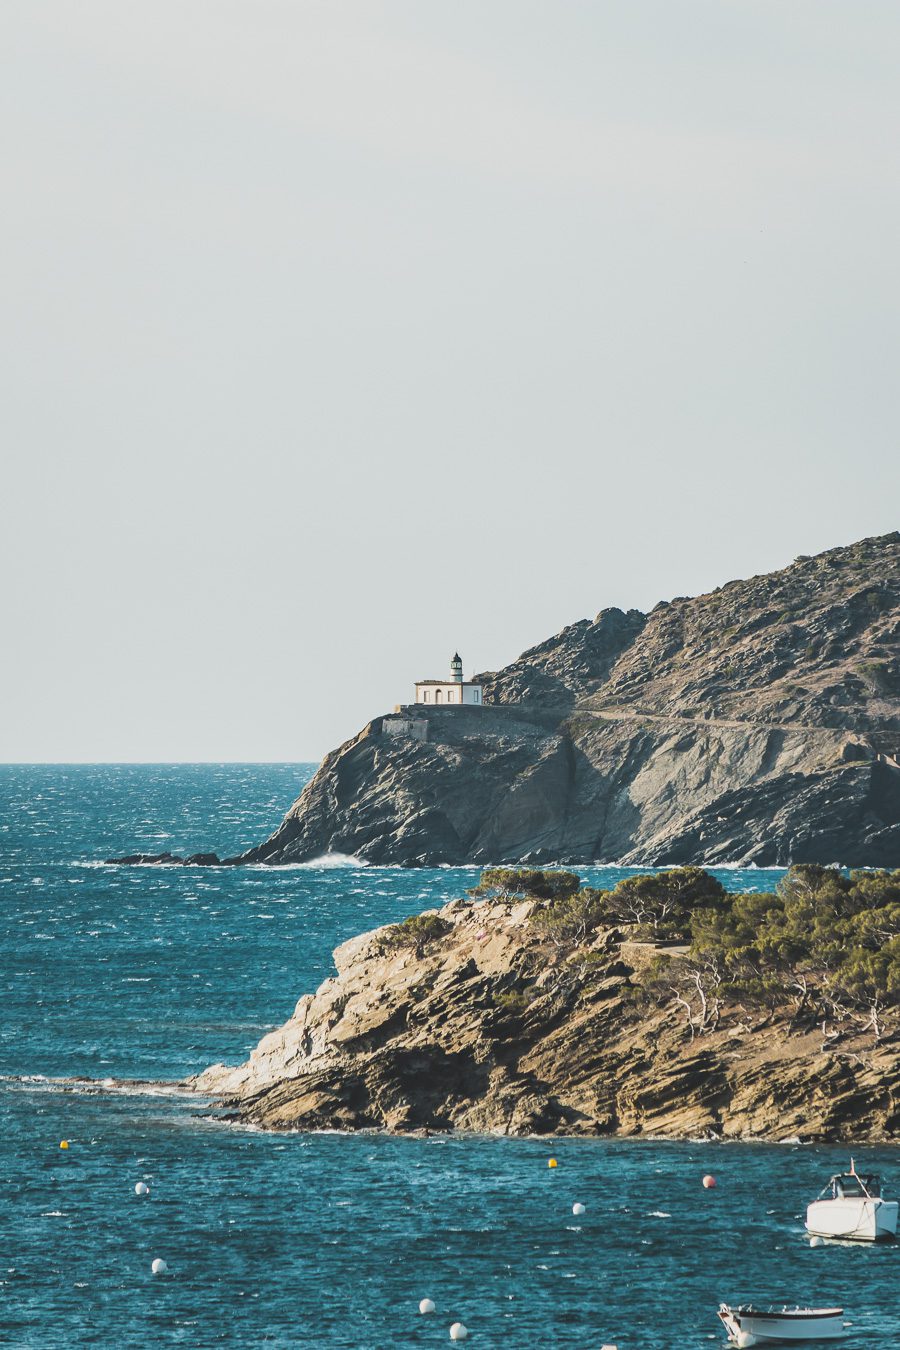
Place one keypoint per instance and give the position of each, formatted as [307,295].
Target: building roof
[454,683]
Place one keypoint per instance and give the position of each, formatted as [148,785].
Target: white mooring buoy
[578,1208]
[817,1241]
[458,1332]
[159,1266]
[142,1188]
[426,1305]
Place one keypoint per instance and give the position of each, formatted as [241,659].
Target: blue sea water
[320,1240]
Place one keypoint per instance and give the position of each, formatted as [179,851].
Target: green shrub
[417,931]
[661,904]
[573,918]
[527,883]
[875,673]
[515,1002]
[823,939]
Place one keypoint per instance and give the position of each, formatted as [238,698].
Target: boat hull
[853,1220]
[749,1327]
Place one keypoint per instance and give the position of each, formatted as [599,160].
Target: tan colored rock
[490,1028]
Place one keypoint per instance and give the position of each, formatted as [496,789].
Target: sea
[321,1240]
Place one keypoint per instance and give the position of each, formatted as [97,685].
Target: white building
[454,690]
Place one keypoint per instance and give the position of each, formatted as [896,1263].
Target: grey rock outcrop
[757,724]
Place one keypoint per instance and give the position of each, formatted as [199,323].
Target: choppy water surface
[326,1240]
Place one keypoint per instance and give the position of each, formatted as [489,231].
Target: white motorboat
[852,1207]
[750,1325]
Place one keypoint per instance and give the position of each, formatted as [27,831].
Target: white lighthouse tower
[455,690]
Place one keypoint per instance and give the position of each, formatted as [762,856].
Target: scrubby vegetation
[509,882]
[573,918]
[514,1002]
[418,931]
[657,906]
[662,905]
[823,949]
[826,942]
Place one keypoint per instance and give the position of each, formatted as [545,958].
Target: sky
[336,337]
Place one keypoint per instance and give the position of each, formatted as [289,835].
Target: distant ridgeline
[757,724]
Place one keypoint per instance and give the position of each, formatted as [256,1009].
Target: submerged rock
[172,860]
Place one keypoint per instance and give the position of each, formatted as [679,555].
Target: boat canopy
[854,1186]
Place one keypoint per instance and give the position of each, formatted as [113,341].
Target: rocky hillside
[498,1014]
[757,724]
[817,644]
[760,723]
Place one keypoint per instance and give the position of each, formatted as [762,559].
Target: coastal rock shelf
[473,1017]
[757,724]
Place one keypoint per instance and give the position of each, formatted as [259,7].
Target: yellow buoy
[552,1163]
[64,1143]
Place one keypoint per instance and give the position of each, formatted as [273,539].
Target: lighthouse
[456,690]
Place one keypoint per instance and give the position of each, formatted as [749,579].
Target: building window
[437,695]
[426,697]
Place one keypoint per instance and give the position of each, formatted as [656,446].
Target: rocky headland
[757,724]
[507,1012]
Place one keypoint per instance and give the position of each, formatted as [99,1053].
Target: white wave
[136,1087]
[326,862]
[740,867]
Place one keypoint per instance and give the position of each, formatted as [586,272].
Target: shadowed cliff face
[760,723]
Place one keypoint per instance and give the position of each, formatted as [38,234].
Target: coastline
[512,1012]
[208,1109]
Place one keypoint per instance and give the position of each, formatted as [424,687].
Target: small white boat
[852,1207]
[749,1325]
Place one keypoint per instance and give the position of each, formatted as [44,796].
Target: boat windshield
[853,1187]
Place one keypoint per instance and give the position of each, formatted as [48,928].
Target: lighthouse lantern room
[456,690]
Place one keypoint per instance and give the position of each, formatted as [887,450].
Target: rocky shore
[481,1016]
[757,724]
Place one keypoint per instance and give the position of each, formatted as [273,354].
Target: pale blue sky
[338,336]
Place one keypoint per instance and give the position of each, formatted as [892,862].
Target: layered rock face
[477,1023]
[757,724]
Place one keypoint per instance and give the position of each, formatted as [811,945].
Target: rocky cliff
[760,723]
[473,1017]
[757,724]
